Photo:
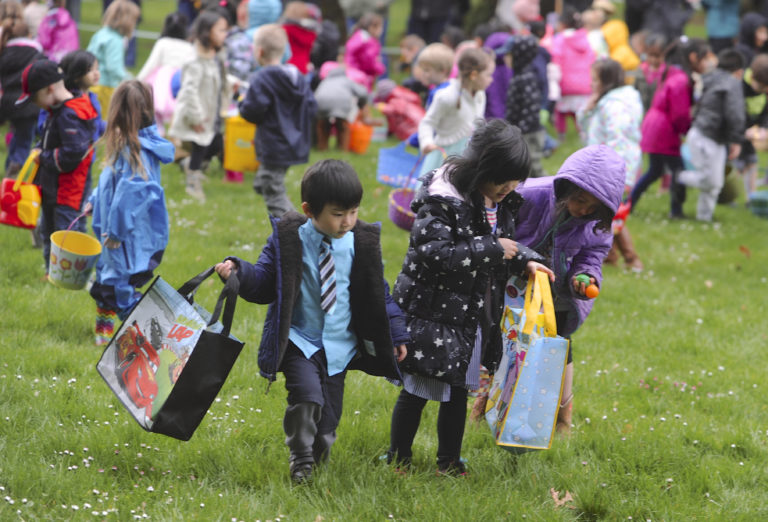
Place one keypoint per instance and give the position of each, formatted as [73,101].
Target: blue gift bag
[397,167]
[526,389]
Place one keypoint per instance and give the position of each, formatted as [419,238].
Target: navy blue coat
[280,102]
[275,279]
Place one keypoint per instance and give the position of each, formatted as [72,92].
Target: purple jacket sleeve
[397,325]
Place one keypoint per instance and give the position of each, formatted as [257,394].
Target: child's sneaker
[301,473]
[452,468]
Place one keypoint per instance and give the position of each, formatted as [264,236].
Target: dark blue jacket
[280,102]
[67,154]
[275,279]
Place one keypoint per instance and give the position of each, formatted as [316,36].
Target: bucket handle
[29,170]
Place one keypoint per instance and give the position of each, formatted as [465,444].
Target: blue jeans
[21,143]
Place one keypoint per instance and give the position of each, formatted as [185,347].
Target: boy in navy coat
[329,308]
[280,101]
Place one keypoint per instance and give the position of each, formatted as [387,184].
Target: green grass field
[670,410]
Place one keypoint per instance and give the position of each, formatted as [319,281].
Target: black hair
[227,7]
[331,181]
[175,26]
[730,60]
[538,28]
[483,31]
[452,36]
[565,190]
[570,17]
[656,41]
[75,65]
[201,30]
[759,67]
[680,50]
[496,153]
[609,73]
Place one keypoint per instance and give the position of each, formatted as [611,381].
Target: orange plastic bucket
[359,137]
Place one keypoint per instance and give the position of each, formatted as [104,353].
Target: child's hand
[532,267]
[400,352]
[198,127]
[225,269]
[112,243]
[509,246]
[580,286]
[88,208]
[734,149]
[426,149]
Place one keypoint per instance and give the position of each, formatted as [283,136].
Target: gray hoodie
[720,114]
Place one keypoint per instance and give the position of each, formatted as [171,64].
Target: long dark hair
[679,51]
[201,30]
[75,65]
[609,73]
[496,152]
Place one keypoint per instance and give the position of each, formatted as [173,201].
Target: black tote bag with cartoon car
[170,357]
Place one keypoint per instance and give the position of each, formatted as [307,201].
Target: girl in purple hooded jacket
[567,219]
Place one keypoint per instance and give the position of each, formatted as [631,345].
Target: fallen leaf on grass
[746,251]
[560,502]
[708,283]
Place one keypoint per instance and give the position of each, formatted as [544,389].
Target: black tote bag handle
[227,298]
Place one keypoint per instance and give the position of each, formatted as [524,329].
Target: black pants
[657,165]
[450,426]
[201,153]
[315,401]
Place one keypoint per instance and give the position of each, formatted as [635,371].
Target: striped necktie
[327,276]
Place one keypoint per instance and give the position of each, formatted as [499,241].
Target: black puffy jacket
[453,279]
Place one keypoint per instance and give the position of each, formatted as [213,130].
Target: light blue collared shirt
[311,328]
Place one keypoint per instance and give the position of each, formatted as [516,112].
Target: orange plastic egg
[592,291]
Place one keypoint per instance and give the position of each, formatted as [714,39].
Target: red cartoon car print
[137,362]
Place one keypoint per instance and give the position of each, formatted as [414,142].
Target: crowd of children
[478,111]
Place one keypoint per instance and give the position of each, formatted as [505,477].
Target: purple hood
[496,93]
[578,247]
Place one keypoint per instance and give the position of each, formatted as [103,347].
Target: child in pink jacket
[572,56]
[58,32]
[363,49]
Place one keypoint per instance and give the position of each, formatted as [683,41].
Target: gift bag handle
[29,170]
[227,298]
[538,297]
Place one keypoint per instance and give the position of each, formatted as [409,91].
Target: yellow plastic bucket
[239,154]
[73,256]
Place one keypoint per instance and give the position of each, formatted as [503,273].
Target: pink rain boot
[233,176]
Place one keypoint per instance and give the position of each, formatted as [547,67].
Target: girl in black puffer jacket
[451,286]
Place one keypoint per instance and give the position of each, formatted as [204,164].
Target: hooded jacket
[57,34]
[18,53]
[669,116]
[750,23]
[275,280]
[577,248]
[362,53]
[722,18]
[720,113]
[107,46]
[453,279]
[496,93]
[615,121]
[338,96]
[280,102]
[204,93]
[66,155]
[616,35]
[131,209]
[572,53]
[524,93]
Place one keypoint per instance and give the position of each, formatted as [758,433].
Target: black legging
[201,153]
[656,169]
[450,426]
